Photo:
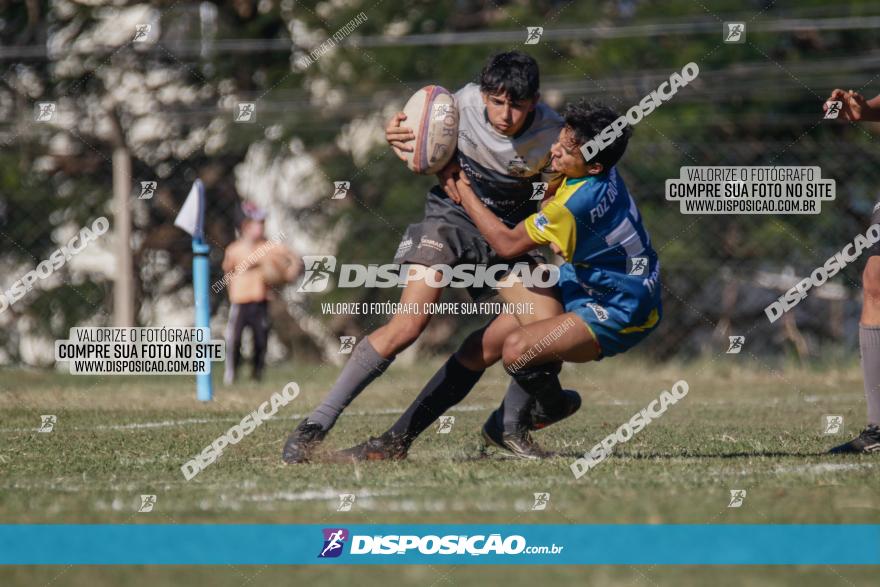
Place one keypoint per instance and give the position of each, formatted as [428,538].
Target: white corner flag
[191,215]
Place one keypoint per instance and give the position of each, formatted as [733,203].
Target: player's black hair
[586,120]
[512,73]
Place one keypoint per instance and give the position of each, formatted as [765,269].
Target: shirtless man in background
[249,292]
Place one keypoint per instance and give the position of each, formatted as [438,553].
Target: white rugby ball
[433,118]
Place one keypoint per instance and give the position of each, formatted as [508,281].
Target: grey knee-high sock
[364,365]
[514,411]
[869,343]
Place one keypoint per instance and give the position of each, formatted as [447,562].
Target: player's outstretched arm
[855,106]
[507,242]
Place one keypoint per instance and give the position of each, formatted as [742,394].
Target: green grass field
[743,425]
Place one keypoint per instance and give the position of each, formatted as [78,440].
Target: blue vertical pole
[201,276]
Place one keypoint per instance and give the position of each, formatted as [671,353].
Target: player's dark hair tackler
[587,120]
[512,73]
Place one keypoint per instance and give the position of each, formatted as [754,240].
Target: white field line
[298,416]
[392,411]
[819,468]
[403,498]
[188,421]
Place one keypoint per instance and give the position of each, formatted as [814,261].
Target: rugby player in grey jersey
[505,135]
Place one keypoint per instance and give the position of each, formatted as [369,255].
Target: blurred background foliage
[169,102]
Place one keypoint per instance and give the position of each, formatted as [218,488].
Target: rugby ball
[433,118]
[274,267]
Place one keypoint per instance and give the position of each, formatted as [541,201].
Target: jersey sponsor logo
[600,312]
[405,245]
[465,136]
[518,166]
[430,243]
[541,221]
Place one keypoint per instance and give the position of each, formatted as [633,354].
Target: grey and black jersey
[502,169]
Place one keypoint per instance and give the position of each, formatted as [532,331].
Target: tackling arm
[507,242]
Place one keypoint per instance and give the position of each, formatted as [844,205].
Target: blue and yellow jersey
[611,275]
[594,222]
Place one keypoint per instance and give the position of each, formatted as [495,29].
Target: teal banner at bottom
[475,544]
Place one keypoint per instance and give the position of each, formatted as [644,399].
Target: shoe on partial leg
[866,442]
[387,447]
[541,416]
[513,444]
[302,442]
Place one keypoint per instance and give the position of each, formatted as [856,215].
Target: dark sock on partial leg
[446,388]
[364,365]
[542,383]
[516,408]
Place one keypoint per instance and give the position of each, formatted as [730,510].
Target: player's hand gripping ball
[433,117]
